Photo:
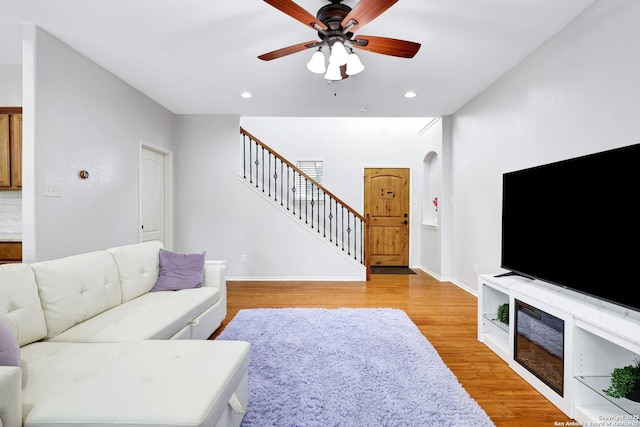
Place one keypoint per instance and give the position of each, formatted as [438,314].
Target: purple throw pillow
[9,349]
[179,271]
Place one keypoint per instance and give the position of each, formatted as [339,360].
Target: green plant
[624,381]
[503,313]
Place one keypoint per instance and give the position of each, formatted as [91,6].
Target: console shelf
[494,319]
[491,331]
[599,337]
[599,383]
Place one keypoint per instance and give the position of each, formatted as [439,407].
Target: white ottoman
[147,383]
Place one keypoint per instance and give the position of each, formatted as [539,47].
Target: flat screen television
[576,224]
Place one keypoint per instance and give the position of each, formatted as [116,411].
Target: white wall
[577,94]
[217,212]
[432,258]
[10,85]
[79,116]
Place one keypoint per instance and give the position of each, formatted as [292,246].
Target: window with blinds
[305,190]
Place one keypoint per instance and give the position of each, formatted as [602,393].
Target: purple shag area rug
[347,367]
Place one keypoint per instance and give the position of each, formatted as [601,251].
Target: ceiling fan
[336,24]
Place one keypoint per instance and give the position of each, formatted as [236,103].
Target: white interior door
[155,199]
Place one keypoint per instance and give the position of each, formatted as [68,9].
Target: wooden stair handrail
[291,165]
[365,220]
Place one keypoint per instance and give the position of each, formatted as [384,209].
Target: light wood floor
[444,313]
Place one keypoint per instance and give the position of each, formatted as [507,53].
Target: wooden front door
[386,201]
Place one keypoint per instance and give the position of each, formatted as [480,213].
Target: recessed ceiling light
[410,94]
[246,95]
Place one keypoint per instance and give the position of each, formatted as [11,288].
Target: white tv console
[598,336]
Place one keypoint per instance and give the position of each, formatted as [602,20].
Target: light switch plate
[51,190]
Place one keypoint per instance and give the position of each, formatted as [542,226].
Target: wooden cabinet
[10,252]
[15,135]
[10,149]
[5,152]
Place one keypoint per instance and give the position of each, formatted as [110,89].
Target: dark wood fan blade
[386,46]
[288,50]
[366,11]
[296,12]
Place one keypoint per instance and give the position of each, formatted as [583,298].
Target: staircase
[301,197]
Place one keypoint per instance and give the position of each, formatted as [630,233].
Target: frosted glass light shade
[333,72]
[354,66]
[316,63]
[338,54]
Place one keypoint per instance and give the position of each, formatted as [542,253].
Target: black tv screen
[576,224]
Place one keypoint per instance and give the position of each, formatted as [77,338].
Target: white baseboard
[294,279]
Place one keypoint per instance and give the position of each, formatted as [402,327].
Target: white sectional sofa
[97,347]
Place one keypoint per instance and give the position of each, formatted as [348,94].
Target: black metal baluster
[312,204]
[324,214]
[306,204]
[336,206]
[269,175]
[281,183]
[353,234]
[262,169]
[330,220]
[293,189]
[257,162]
[348,233]
[288,187]
[250,160]
[342,211]
[275,179]
[355,237]
[318,210]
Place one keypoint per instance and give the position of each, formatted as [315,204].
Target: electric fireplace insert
[539,345]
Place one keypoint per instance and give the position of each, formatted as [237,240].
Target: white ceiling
[197,56]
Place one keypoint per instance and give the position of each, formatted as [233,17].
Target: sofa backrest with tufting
[20,306]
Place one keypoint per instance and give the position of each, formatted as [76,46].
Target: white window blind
[304,189]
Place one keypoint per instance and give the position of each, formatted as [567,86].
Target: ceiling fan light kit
[354,66]
[338,54]
[316,63]
[333,72]
[335,24]
[338,58]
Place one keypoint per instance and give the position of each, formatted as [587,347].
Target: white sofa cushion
[10,396]
[154,315]
[20,308]
[76,288]
[138,265]
[147,383]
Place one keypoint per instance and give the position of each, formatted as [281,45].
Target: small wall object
[84,174]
